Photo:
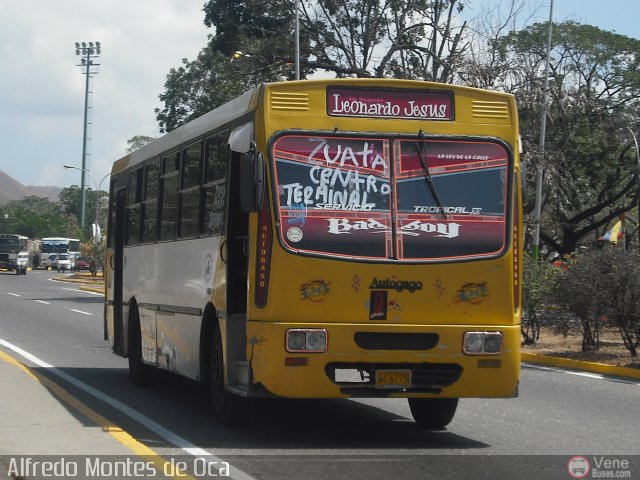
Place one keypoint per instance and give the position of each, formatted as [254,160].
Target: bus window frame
[190,189]
[392,138]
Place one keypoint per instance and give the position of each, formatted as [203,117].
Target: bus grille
[497,110]
[426,377]
[395,341]
[4,257]
[289,101]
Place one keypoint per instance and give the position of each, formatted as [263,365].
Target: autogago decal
[397,285]
[339,226]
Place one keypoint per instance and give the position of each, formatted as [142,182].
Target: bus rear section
[387,263]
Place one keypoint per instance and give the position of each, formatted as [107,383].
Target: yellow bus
[325,239]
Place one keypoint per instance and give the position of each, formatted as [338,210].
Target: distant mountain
[11,189]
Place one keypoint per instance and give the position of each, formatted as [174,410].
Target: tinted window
[169,209]
[387,198]
[191,166]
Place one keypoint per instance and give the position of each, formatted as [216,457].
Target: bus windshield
[391,198]
[9,244]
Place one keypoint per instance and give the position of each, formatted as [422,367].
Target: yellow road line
[115,431]
[592,367]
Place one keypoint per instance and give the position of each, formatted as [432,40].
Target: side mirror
[251,180]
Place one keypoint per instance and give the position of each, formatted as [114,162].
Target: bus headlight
[482,343]
[306,340]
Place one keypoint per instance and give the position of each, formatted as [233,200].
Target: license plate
[393,379]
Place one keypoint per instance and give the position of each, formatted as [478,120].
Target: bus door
[117,263]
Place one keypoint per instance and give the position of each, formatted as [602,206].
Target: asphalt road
[558,414]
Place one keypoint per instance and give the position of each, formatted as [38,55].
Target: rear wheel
[225,404]
[139,372]
[433,413]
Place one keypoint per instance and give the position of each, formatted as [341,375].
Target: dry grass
[612,350]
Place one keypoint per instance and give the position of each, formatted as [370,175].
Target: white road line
[80,311]
[597,376]
[81,291]
[166,434]
[42,301]
[13,294]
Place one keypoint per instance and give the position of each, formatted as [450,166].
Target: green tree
[591,174]
[367,38]
[197,87]
[37,217]
[402,39]
[538,283]
[580,291]
[137,142]
[69,204]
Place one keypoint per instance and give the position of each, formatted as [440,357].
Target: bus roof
[13,235]
[209,121]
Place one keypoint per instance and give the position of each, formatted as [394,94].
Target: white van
[64,262]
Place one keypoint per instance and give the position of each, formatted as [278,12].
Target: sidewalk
[37,417]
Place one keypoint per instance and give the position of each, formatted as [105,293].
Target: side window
[150,202]
[169,196]
[134,208]
[215,184]
[190,190]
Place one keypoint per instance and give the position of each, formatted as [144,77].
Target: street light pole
[543,128]
[297,53]
[97,185]
[86,52]
[635,141]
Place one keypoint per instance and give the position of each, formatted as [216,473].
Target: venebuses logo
[407,104]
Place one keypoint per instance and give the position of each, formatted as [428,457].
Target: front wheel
[433,413]
[225,404]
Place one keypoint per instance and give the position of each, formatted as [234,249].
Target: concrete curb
[85,284]
[592,367]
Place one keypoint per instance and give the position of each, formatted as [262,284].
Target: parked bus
[14,253]
[325,239]
[54,245]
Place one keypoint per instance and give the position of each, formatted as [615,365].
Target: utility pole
[86,52]
[543,127]
[635,142]
[297,42]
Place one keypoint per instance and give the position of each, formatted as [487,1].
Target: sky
[42,90]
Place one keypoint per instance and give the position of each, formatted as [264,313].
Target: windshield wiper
[427,174]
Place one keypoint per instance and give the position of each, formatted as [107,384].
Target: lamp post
[297,42]
[635,141]
[86,51]
[543,127]
[97,185]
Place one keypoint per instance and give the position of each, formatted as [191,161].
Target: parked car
[64,262]
[82,263]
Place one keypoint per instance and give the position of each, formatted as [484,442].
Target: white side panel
[177,278]
[178,342]
[148,329]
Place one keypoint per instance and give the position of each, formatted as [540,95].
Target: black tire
[139,372]
[433,413]
[225,404]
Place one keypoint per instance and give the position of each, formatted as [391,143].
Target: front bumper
[348,369]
